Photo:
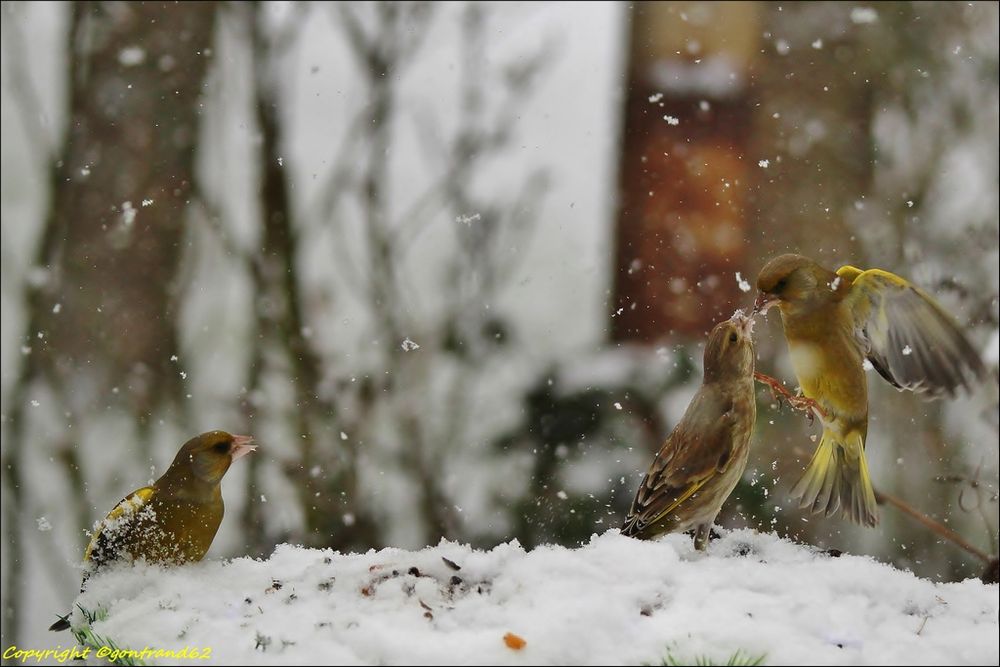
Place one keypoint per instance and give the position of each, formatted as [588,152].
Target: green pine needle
[737,659]
[86,636]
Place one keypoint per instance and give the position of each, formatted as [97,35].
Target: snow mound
[613,601]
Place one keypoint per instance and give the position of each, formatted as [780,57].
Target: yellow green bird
[833,322]
[175,520]
[704,456]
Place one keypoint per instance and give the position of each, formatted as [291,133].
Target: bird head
[792,282]
[209,455]
[729,352]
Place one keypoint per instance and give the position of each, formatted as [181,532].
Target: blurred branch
[932,525]
[29,370]
[280,320]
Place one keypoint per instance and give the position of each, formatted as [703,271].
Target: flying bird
[833,322]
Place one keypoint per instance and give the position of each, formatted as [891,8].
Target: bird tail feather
[837,479]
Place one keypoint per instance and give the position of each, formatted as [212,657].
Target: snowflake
[131,56]
[743,284]
[862,15]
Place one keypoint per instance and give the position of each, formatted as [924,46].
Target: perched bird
[704,456]
[833,322]
[175,519]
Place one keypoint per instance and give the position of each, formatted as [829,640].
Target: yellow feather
[681,498]
[849,273]
[131,503]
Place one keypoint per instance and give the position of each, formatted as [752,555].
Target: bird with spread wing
[833,322]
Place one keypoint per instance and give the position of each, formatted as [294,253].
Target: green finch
[704,456]
[833,322]
[174,520]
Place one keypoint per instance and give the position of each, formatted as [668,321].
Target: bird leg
[701,536]
[801,403]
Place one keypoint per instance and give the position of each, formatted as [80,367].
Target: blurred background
[453,264]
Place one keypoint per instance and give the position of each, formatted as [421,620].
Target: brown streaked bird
[833,322]
[175,520]
[704,456]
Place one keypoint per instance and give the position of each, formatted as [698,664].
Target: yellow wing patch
[688,492]
[849,273]
[909,339]
[128,505]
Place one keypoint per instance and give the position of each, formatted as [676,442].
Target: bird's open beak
[242,445]
[764,303]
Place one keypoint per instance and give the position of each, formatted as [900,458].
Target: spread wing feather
[909,339]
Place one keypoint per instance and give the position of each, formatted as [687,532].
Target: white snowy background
[558,302]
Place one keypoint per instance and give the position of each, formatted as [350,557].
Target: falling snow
[468,219]
[408,345]
[863,15]
[128,214]
[741,283]
[131,56]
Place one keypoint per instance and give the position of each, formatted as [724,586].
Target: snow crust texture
[614,600]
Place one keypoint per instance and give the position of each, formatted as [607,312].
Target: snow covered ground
[613,601]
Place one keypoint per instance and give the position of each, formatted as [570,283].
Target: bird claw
[807,405]
[780,394]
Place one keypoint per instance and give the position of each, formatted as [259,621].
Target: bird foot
[780,394]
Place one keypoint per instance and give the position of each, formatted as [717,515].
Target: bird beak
[764,303]
[744,323]
[242,445]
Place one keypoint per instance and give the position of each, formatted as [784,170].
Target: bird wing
[104,538]
[696,450]
[909,339]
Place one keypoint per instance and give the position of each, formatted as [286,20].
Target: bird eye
[732,337]
[781,284]
[222,447]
